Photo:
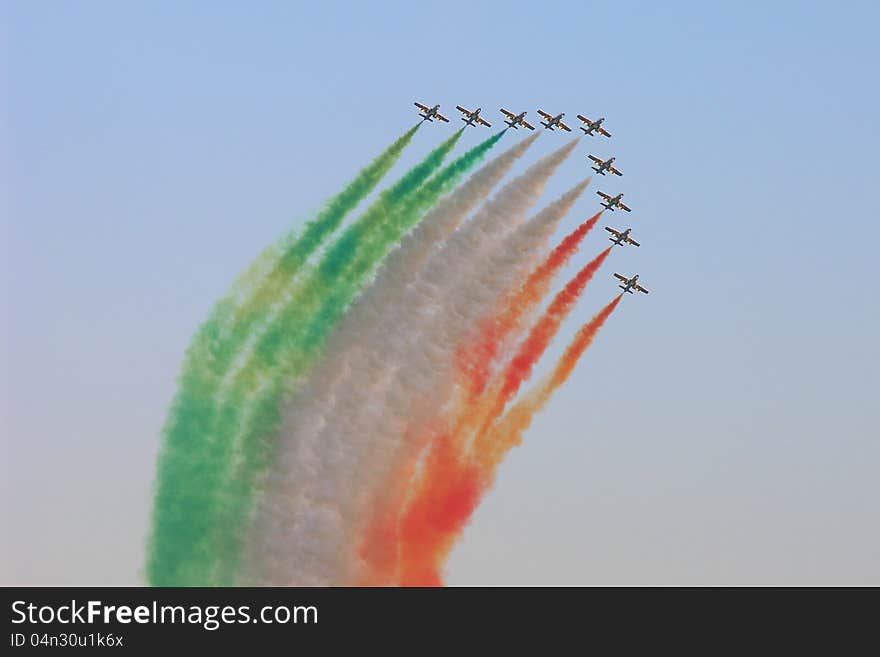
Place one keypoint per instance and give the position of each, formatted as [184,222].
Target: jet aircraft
[472,118]
[516,120]
[630,284]
[593,127]
[604,165]
[553,121]
[612,202]
[430,113]
[621,238]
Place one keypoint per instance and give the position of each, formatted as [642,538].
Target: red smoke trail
[477,358]
[416,486]
[539,338]
[443,473]
[453,483]
[446,495]
[379,549]
[491,447]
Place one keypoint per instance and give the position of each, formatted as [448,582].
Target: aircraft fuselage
[428,115]
[472,117]
[614,202]
[593,126]
[554,122]
[602,167]
[630,284]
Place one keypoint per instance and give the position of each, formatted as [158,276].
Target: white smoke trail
[319,491]
[401,265]
[424,382]
[313,403]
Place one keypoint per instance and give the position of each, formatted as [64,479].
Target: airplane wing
[544,114]
[616,171]
[421,107]
[528,125]
[616,233]
[632,241]
[623,206]
[584,119]
[622,278]
[462,109]
[484,122]
[641,289]
[441,117]
[564,127]
[607,197]
[509,114]
[603,131]
[595,159]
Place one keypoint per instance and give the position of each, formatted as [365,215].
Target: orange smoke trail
[446,496]
[491,448]
[452,484]
[539,338]
[379,548]
[476,358]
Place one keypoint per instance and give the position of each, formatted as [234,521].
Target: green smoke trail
[280,334]
[183,469]
[181,550]
[297,254]
[286,352]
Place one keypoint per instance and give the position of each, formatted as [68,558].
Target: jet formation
[550,122]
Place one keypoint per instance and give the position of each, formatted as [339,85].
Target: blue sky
[722,430]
